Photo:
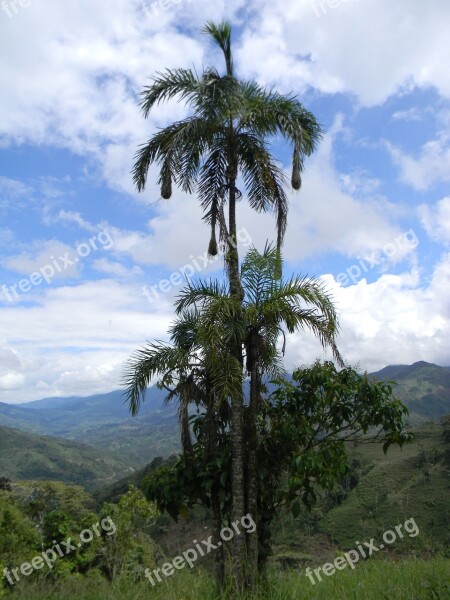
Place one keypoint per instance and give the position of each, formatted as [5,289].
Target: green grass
[410,579]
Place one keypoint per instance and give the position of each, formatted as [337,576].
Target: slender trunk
[252,473]
[237,407]
[211,452]
[219,556]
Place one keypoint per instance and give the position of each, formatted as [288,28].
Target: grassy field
[410,579]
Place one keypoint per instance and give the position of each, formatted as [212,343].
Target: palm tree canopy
[197,357]
[270,305]
[226,135]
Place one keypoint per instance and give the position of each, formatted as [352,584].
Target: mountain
[13,415]
[103,420]
[423,387]
[51,402]
[30,456]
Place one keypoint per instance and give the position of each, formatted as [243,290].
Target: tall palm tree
[268,305]
[195,367]
[225,137]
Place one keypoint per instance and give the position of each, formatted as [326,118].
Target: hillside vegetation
[379,493]
[30,456]
[102,421]
[423,387]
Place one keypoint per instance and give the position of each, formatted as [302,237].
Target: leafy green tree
[128,549]
[226,138]
[19,539]
[306,426]
[60,511]
[304,430]
[199,362]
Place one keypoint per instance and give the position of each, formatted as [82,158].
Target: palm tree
[269,307]
[196,366]
[225,137]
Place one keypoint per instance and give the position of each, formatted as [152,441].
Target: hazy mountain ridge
[103,420]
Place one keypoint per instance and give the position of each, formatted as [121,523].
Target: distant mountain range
[30,456]
[104,421]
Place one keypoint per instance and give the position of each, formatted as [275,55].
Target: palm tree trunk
[211,452]
[219,556]
[237,408]
[252,474]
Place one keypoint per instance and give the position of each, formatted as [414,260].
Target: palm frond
[269,113]
[265,182]
[170,84]
[146,363]
[199,293]
[221,34]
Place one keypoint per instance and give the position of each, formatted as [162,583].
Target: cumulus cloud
[42,254]
[335,47]
[75,340]
[114,268]
[395,316]
[429,167]
[436,220]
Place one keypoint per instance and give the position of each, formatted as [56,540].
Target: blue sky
[78,244]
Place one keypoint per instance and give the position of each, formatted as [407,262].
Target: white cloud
[75,340]
[412,114]
[11,381]
[110,267]
[13,194]
[341,50]
[436,220]
[429,167]
[70,217]
[74,71]
[333,213]
[395,319]
[44,255]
